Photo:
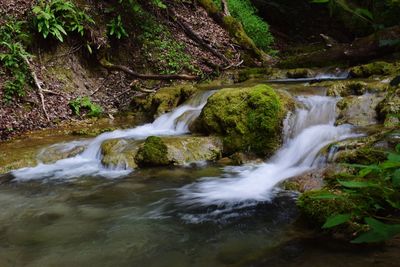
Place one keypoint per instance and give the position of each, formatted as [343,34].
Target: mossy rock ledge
[164,100]
[248,119]
[160,151]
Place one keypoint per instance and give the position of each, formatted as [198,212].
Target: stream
[76,212]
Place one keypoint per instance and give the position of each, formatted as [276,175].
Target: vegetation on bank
[256,28]
[364,202]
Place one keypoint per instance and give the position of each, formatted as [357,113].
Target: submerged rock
[248,119]
[160,151]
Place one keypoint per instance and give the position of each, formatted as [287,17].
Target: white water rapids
[306,132]
[88,163]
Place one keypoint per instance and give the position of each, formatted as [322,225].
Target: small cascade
[306,131]
[88,163]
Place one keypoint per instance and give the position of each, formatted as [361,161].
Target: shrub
[256,28]
[58,18]
[80,103]
[13,58]
[372,197]
[116,28]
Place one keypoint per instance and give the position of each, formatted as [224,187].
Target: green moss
[363,156]
[164,100]
[374,68]
[299,73]
[249,119]
[389,109]
[318,210]
[153,153]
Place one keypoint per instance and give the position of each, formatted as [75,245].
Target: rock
[152,153]
[374,68]
[358,110]
[308,181]
[299,73]
[395,81]
[389,109]
[248,119]
[347,88]
[120,152]
[61,151]
[161,151]
[164,100]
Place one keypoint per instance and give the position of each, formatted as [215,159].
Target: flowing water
[67,214]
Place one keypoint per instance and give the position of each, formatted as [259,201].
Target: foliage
[13,56]
[116,28]
[254,26]
[57,18]
[377,13]
[374,192]
[80,103]
[166,54]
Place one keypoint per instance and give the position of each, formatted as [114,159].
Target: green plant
[254,26]
[116,28]
[58,18]
[13,57]
[378,14]
[375,193]
[166,54]
[80,103]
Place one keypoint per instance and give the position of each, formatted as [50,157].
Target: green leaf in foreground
[336,220]
[378,232]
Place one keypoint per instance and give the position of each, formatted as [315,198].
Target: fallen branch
[195,37]
[108,65]
[52,92]
[38,86]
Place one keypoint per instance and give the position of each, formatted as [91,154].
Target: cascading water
[307,131]
[88,163]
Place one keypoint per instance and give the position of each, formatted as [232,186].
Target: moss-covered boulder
[160,151]
[249,119]
[164,100]
[389,109]
[317,210]
[152,153]
[375,68]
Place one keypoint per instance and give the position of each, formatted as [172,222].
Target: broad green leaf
[325,196]
[379,232]
[394,157]
[396,178]
[357,184]
[336,220]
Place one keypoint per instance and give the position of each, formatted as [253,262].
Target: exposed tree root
[38,86]
[108,65]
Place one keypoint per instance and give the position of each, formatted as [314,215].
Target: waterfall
[88,163]
[306,132]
